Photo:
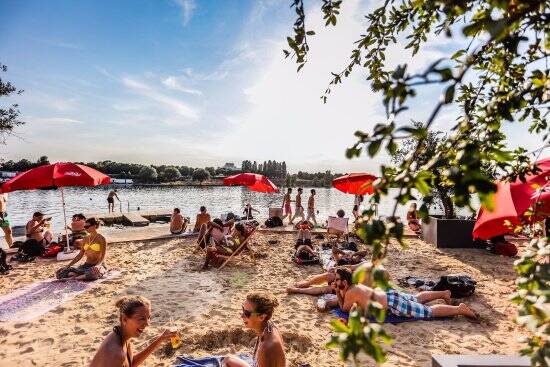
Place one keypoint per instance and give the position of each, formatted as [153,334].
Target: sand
[205,306]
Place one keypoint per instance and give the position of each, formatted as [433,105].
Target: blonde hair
[264,303]
[129,304]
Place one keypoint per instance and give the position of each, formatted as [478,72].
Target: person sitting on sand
[396,302]
[116,349]
[269,350]
[412,219]
[202,218]
[78,232]
[218,251]
[303,248]
[94,248]
[35,229]
[178,223]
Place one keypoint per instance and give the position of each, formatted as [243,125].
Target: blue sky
[190,82]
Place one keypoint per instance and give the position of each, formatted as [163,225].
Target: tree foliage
[148,174]
[500,76]
[201,175]
[9,115]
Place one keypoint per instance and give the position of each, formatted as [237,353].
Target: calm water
[218,200]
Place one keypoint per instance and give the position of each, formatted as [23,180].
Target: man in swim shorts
[396,302]
[299,207]
[287,209]
[5,220]
[311,208]
[111,200]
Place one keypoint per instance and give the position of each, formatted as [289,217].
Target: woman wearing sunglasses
[256,315]
[94,247]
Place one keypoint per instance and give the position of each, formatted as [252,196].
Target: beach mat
[389,319]
[325,258]
[33,300]
[213,361]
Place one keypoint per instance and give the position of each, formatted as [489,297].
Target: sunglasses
[247,313]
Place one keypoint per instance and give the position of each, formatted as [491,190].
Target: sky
[196,83]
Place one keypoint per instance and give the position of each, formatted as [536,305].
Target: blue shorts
[404,304]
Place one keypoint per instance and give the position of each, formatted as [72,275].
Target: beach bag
[505,249]
[273,222]
[32,248]
[52,251]
[460,285]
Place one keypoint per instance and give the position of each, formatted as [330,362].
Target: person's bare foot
[291,290]
[464,310]
[447,297]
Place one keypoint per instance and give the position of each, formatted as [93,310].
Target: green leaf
[449,94]
[310,33]
[374,147]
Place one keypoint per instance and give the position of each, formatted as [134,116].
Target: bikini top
[92,246]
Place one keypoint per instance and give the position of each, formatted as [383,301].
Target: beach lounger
[338,226]
[239,249]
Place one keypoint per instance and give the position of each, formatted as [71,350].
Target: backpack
[273,222]
[460,285]
[52,251]
[31,248]
[505,249]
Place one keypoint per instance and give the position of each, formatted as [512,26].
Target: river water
[217,199]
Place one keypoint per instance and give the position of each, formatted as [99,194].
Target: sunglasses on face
[246,313]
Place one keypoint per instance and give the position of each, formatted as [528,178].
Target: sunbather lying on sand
[117,349]
[94,248]
[304,248]
[345,258]
[318,285]
[399,303]
[269,350]
[218,251]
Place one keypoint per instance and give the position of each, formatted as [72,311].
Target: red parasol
[56,175]
[355,183]
[512,201]
[253,181]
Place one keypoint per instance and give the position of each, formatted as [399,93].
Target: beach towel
[325,258]
[311,261]
[389,319]
[213,361]
[33,300]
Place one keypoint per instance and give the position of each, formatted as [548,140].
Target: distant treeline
[276,171]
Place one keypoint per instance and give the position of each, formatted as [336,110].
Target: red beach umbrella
[355,183]
[512,201]
[56,175]
[253,181]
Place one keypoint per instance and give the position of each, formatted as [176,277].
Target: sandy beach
[205,306]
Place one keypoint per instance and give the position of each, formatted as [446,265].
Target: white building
[230,167]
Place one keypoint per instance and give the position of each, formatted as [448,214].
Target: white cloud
[187,9]
[173,82]
[174,104]
[55,120]
[198,76]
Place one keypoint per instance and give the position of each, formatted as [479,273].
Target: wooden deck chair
[338,226]
[239,249]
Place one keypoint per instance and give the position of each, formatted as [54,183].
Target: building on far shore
[122,181]
[230,167]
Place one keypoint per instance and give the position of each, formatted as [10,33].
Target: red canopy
[56,175]
[355,183]
[253,181]
[512,200]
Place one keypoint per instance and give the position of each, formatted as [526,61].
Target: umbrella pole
[65,220]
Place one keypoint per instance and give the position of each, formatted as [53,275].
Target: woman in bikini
[94,247]
[116,350]
[269,350]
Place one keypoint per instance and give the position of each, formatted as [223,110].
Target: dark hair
[300,189]
[355,208]
[345,274]
[38,214]
[128,305]
[202,208]
[218,221]
[313,191]
[79,216]
[289,189]
[264,303]
[340,213]
[92,221]
[240,227]
[177,210]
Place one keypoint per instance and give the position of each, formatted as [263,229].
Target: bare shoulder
[110,353]
[271,353]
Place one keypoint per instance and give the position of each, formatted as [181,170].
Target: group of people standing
[299,209]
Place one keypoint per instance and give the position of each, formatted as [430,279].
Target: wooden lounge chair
[338,226]
[240,249]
